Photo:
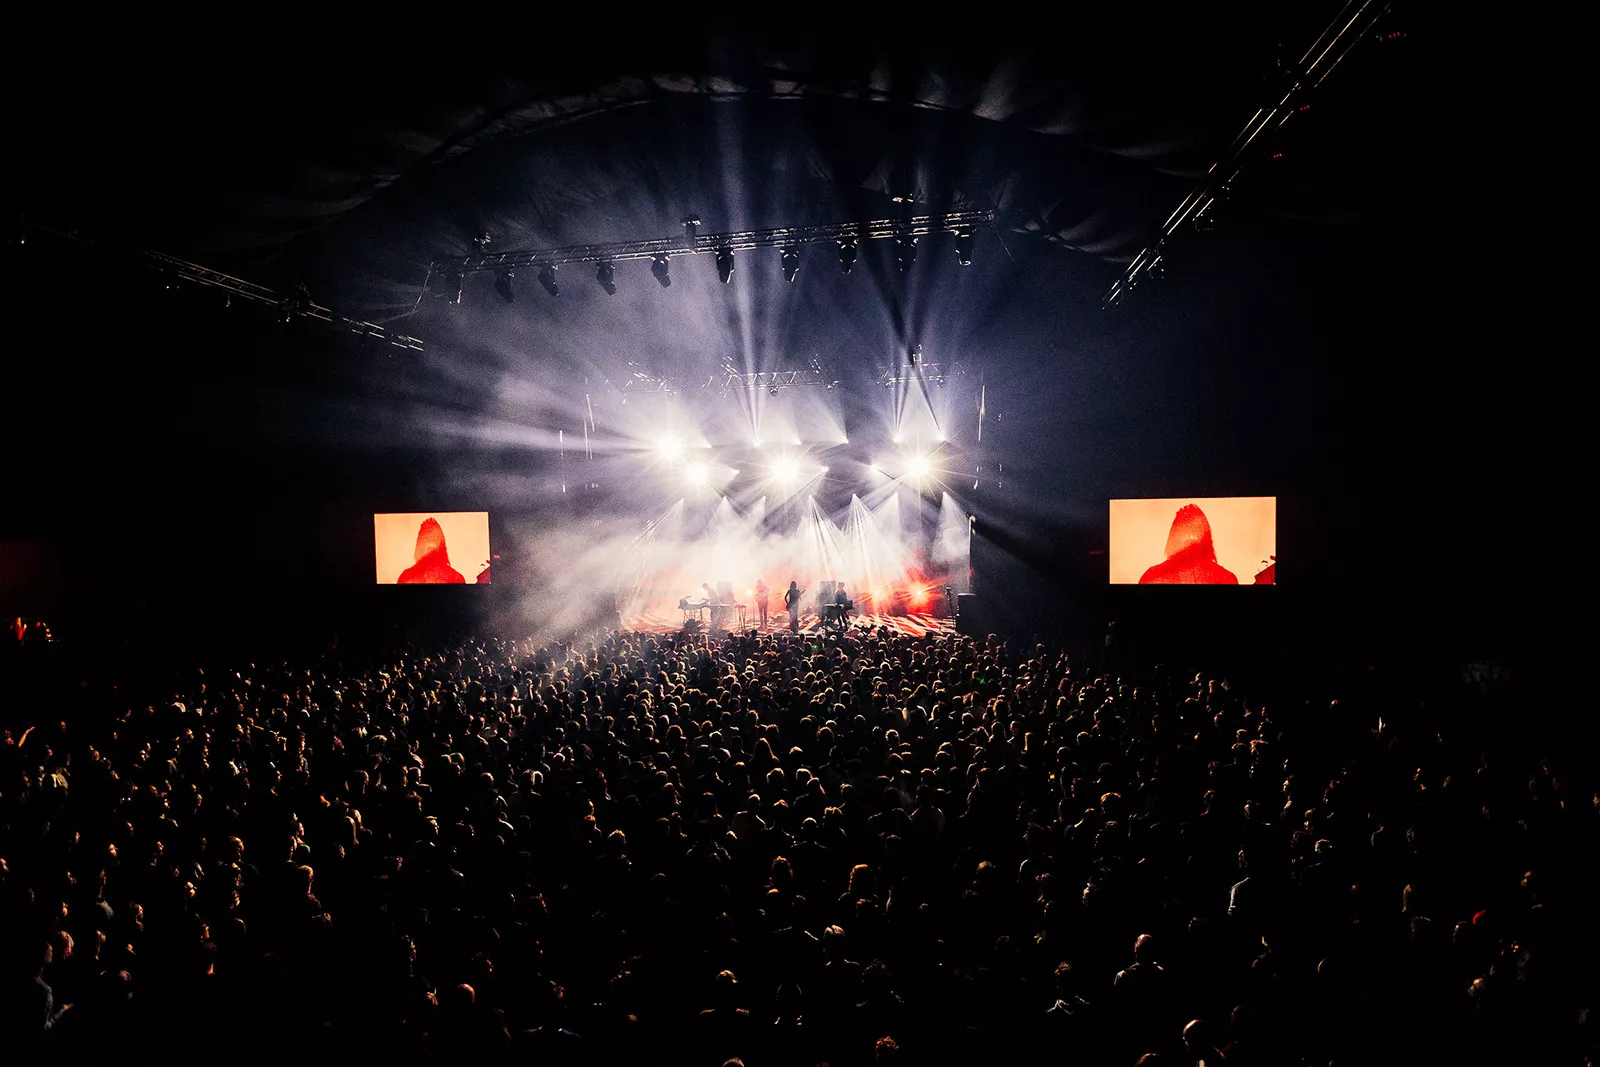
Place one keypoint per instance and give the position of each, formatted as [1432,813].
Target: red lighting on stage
[918,594]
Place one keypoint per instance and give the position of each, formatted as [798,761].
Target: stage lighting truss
[919,371]
[296,304]
[788,239]
[1353,24]
[730,380]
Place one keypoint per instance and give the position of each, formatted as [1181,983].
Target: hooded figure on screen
[1191,557]
[432,565]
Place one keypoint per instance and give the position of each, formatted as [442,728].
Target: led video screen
[432,548]
[1228,540]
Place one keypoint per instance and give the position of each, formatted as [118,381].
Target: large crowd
[784,850]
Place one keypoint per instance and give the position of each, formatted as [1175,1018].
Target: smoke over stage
[722,565]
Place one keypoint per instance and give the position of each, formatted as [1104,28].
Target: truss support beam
[956,222]
[293,305]
[1354,22]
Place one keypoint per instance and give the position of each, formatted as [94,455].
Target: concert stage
[916,625]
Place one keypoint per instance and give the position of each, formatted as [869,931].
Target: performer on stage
[791,600]
[763,594]
[840,610]
[715,604]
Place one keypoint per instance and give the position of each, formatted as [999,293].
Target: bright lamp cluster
[790,470]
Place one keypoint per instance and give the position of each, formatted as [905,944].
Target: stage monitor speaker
[972,616]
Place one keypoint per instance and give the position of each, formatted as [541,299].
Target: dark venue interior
[694,305]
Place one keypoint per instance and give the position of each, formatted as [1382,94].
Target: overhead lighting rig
[918,371]
[730,379]
[846,237]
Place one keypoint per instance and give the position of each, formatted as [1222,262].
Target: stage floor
[661,622]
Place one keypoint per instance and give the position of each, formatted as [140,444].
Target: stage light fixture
[773,391]
[919,468]
[503,286]
[847,254]
[786,471]
[697,474]
[905,252]
[547,278]
[606,275]
[725,264]
[898,437]
[659,266]
[670,448]
[791,263]
[965,239]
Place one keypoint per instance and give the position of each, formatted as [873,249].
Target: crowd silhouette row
[784,850]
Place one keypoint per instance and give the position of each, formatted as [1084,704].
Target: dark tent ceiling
[1081,128]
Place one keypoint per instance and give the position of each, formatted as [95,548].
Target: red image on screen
[1191,554]
[432,566]
[1198,541]
[444,548]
